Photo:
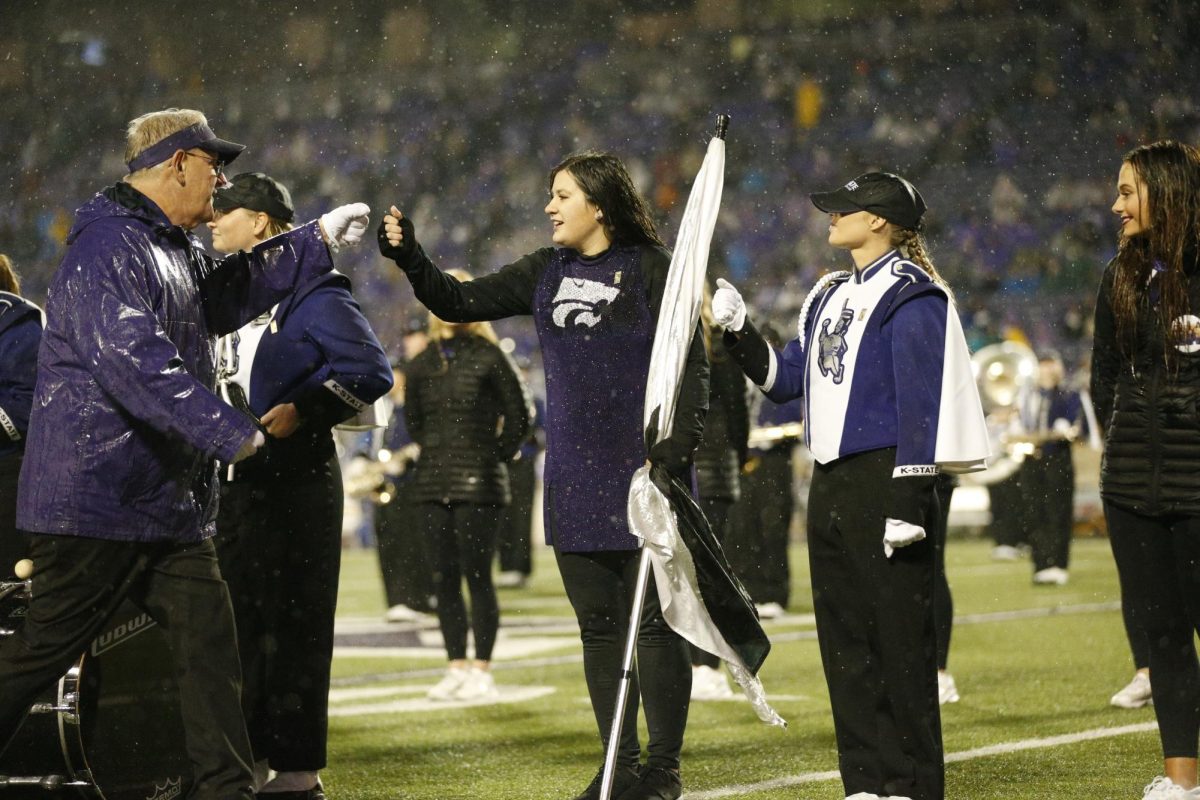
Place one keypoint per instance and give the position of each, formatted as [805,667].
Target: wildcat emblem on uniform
[833,345]
[581,302]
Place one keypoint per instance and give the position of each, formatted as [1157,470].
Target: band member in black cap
[310,362]
[118,489]
[890,401]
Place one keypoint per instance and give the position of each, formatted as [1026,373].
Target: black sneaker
[624,778]
[655,783]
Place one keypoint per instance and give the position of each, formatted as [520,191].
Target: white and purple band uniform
[868,385]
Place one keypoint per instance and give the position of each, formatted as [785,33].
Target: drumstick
[23,568]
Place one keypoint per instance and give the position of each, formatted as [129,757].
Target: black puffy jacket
[723,446]
[1149,411]
[466,408]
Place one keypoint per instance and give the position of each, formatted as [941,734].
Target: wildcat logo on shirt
[1187,333]
[833,345]
[581,302]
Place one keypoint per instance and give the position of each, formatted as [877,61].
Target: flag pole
[635,622]
[635,619]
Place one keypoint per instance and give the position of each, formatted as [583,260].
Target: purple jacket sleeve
[241,286]
[356,371]
[789,373]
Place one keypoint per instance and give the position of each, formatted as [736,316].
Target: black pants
[461,538]
[876,631]
[717,512]
[1006,500]
[760,522]
[78,584]
[1048,493]
[943,602]
[403,554]
[515,542]
[13,544]
[279,539]
[1158,560]
[600,586]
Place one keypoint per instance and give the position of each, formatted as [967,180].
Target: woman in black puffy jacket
[466,408]
[1146,384]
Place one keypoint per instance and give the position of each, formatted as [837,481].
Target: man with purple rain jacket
[118,489]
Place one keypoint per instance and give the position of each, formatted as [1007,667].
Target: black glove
[674,458]
[402,252]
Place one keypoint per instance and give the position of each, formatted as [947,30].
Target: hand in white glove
[729,310]
[897,533]
[250,447]
[345,224]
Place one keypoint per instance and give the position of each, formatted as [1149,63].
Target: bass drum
[110,728]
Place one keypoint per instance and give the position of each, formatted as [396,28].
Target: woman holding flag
[595,300]
[890,401]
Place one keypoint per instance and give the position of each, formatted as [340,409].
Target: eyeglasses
[215,163]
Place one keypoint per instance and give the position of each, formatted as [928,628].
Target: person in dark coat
[402,552]
[1145,385]
[469,413]
[514,545]
[118,490]
[309,363]
[719,459]
[20,334]
[595,300]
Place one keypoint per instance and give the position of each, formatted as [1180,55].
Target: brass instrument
[375,478]
[762,438]
[1004,372]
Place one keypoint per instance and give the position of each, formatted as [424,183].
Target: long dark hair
[1170,171]
[607,185]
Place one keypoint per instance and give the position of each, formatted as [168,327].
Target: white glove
[250,447]
[897,533]
[345,224]
[729,310]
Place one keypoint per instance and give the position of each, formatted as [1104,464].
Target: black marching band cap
[256,192]
[880,193]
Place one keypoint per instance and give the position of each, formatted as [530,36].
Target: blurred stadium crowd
[1010,117]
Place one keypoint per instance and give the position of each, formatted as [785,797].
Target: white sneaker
[478,685]
[947,690]
[445,688]
[1005,552]
[1166,789]
[402,613]
[511,579]
[769,610]
[864,796]
[710,683]
[1050,576]
[1135,694]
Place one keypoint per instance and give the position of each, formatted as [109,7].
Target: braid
[912,246]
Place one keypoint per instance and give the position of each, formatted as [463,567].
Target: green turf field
[1035,667]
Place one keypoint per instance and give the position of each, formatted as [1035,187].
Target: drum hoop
[70,726]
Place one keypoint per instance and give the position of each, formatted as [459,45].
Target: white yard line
[966,755]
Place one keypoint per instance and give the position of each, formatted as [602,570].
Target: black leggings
[1158,561]
[461,539]
[600,586]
